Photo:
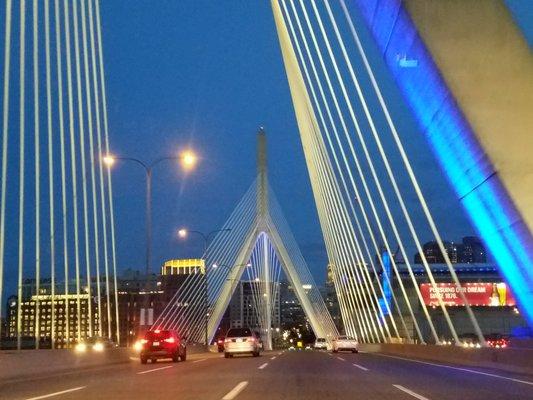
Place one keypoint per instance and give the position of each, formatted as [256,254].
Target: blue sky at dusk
[206,75]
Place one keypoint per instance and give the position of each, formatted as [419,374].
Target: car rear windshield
[154,335]
[239,332]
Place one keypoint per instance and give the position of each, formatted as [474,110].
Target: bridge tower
[262,215]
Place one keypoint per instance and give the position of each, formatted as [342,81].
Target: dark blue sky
[207,74]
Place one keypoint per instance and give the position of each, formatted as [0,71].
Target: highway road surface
[277,375]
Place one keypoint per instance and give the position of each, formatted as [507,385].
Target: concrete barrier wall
[35,363]
[25,364]
[510,359]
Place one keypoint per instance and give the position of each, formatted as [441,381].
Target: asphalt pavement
[277,375]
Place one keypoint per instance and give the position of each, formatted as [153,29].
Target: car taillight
[251,339]
[227,340]
[170,340]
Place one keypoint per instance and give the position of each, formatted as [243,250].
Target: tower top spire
[262,180]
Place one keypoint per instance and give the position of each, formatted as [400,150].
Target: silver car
[345,343]
[242,341]
[321,344]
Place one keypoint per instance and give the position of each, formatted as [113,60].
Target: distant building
[42,314]
[292,312]
[142,300]
[243,303]
[501,318]
[331,299]
[470,251]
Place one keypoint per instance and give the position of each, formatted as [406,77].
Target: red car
[220,344]
[162,344]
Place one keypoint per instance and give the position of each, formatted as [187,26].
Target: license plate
[239,340]
[155,344]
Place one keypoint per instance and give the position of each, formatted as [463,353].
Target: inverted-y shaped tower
[269,230]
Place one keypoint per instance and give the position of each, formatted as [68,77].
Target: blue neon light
[451,138]
[387,291]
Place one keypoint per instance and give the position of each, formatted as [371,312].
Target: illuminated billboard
[495,294]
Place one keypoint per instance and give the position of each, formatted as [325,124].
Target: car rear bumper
[240,348]
[163,353]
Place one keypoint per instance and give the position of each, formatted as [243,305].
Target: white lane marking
[273,358]
[360,367]
[458,369]
[262,366]
[340,358]
[235,391]
[153,370]
[203,359]
[279,354]
[415,395]
[134,358]
[45,396]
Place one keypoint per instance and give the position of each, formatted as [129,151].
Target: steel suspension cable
[411,174]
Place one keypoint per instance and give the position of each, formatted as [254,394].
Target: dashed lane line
[197,361]
[262,366]
[410,392]
[235,391]
[155,369]
[45,396]
[273,358]
[340,358]
[360,367]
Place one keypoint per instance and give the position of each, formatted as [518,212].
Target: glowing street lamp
[188,160]
[109,160]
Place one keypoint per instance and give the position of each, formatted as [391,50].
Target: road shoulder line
[473,371]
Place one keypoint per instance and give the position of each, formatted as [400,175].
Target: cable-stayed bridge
[58,266]
[255,243]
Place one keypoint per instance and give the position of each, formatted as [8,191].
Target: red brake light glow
[170,340]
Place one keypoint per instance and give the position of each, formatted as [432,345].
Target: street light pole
[148,223]
[188,160]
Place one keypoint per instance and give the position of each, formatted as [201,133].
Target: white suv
[346,343]
[242,341]
[321,344]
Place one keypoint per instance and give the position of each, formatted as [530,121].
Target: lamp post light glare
[188,159]
[109,160]
[182,233]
